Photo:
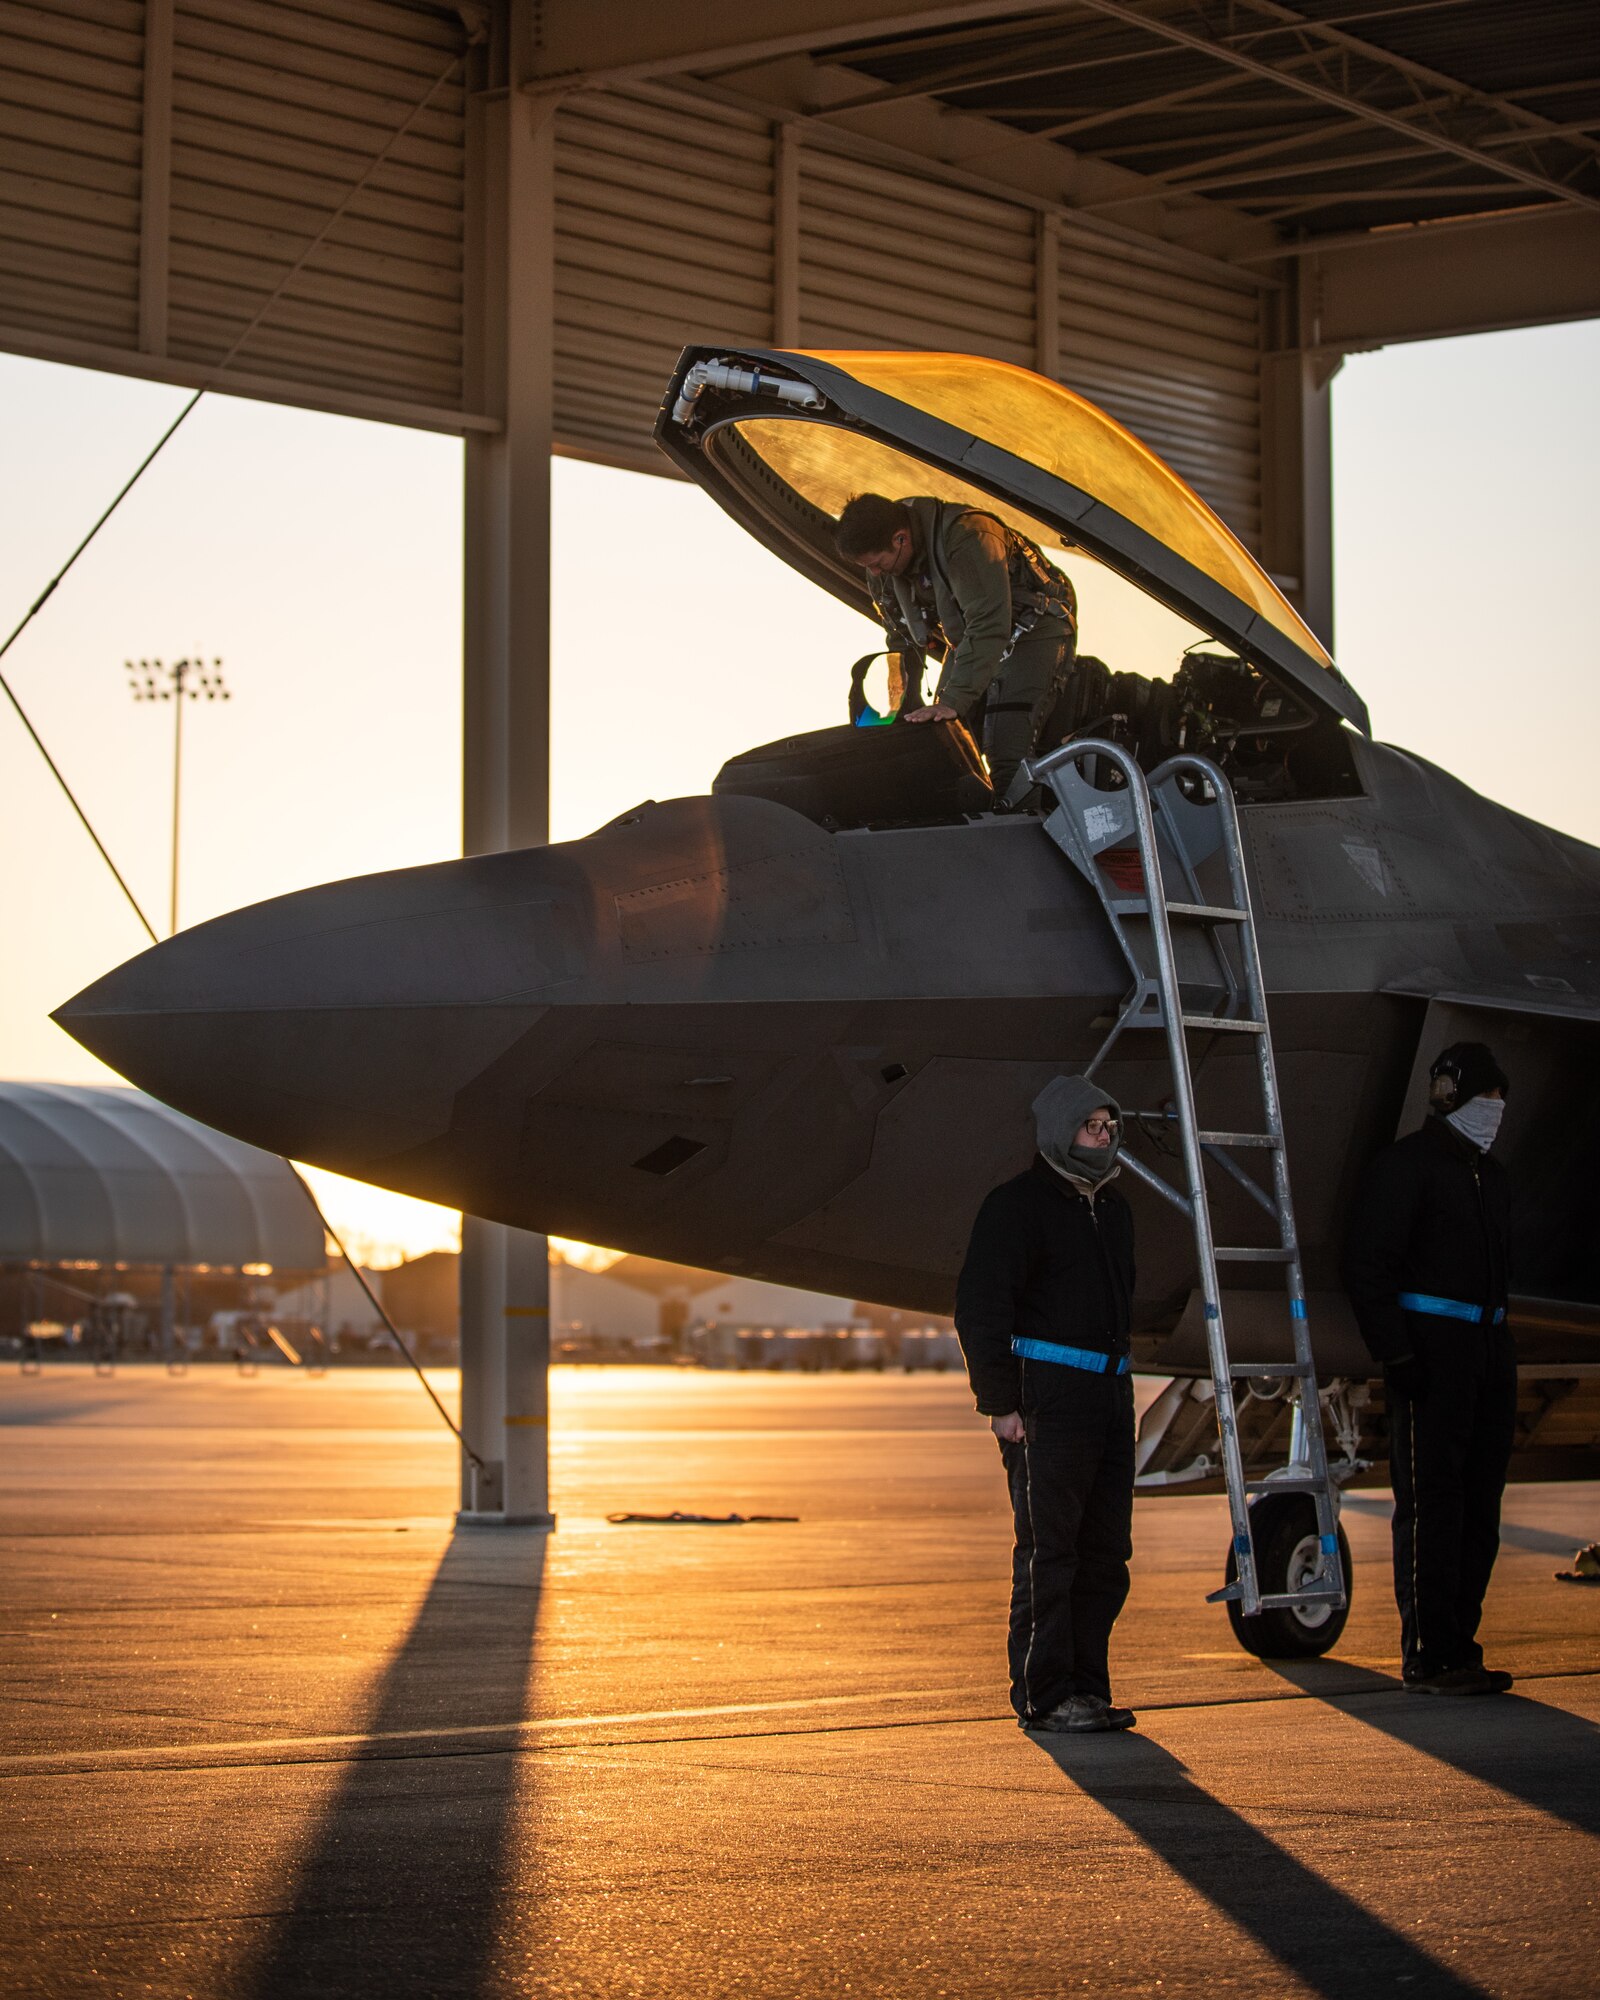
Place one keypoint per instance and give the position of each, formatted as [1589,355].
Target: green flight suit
[1003,621]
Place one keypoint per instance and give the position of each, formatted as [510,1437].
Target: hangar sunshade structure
[98,1182]
[507,220]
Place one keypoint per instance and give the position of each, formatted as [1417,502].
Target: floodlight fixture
[192,678]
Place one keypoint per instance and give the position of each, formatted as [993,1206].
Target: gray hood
[1058,1111]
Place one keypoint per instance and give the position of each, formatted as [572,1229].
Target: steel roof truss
[1245,178]
[1341,98]
[987,76]
[944,38]
[1206,172]
[1442,191]
[1200,162]
[1415,72]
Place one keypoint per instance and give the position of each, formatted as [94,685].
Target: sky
[320,558]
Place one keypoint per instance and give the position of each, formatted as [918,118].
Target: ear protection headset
[1463,1070]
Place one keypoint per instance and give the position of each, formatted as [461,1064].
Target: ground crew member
[982,598]
[1425,1267]
[1042,1308]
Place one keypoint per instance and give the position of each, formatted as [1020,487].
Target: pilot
[1002,619]
[1425,1267]
[1042,1309]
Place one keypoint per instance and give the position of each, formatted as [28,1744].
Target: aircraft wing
[1547,1002]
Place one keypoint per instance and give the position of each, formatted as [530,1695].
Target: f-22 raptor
[794,1028]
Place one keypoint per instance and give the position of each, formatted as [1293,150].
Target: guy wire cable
[56,773]
[355,1270]
[49,591]
[377,1305]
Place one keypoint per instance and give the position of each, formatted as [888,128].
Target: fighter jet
[793,1029]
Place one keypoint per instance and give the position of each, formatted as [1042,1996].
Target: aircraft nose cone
[337,1024]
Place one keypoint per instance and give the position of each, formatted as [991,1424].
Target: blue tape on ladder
[1297,1309]
[1241,1545]
[1213,1312]
[1330,1544]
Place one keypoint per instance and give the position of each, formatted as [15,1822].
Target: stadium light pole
[184,681]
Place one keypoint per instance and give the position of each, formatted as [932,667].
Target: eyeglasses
[1097,1126]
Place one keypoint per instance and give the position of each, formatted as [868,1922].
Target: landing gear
[1288,1557]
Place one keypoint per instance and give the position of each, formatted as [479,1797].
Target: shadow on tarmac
[401,1887]
[1326,1939]
[1539,1754]
[1540,1541]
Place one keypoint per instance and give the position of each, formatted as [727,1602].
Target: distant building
[125,1228]
[754,1302]
[336,1304]
[638,1309]
[596,1315]
[423,1296]
[912,1340]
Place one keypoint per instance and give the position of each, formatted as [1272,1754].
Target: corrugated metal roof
[90,1171]
[1324,116]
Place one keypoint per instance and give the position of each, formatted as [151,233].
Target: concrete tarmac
[273,1726]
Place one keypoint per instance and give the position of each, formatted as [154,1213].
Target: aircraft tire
[1285,1531]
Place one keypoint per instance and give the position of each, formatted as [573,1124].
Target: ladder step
[1231,1593]
[1198,913]
[1129,880]
[1207,913]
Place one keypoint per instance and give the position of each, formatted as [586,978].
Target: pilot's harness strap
[1087,1358]
[1425,1302]
[1044,591]
[1041,590]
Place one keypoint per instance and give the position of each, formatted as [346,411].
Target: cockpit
[782,440]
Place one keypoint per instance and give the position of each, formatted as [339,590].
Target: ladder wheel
[1284,1528]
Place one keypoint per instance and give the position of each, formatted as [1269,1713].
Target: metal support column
[505,1286]
[786,235]
[174,1355]
[1297,453]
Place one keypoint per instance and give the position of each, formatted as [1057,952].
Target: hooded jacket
[1052,1262]
[1432,1215]
[1059,1111]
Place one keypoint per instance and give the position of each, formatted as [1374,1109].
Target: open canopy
[781,440]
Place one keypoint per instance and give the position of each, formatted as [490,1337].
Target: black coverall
[1048,1263]
[1431,1220]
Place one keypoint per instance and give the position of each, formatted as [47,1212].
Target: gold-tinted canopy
[985,434]
[1040,421]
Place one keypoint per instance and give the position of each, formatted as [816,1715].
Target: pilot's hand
[1008,1429]
[941,711]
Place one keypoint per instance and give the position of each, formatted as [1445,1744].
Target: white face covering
[1479,1120]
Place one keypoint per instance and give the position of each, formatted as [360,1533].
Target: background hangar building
[505,218]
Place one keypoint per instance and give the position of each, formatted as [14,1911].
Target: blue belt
[1424,1302]
[1087,1358]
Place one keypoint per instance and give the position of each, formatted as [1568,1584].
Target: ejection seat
[899,774]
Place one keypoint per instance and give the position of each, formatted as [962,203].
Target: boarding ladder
[1141,845]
